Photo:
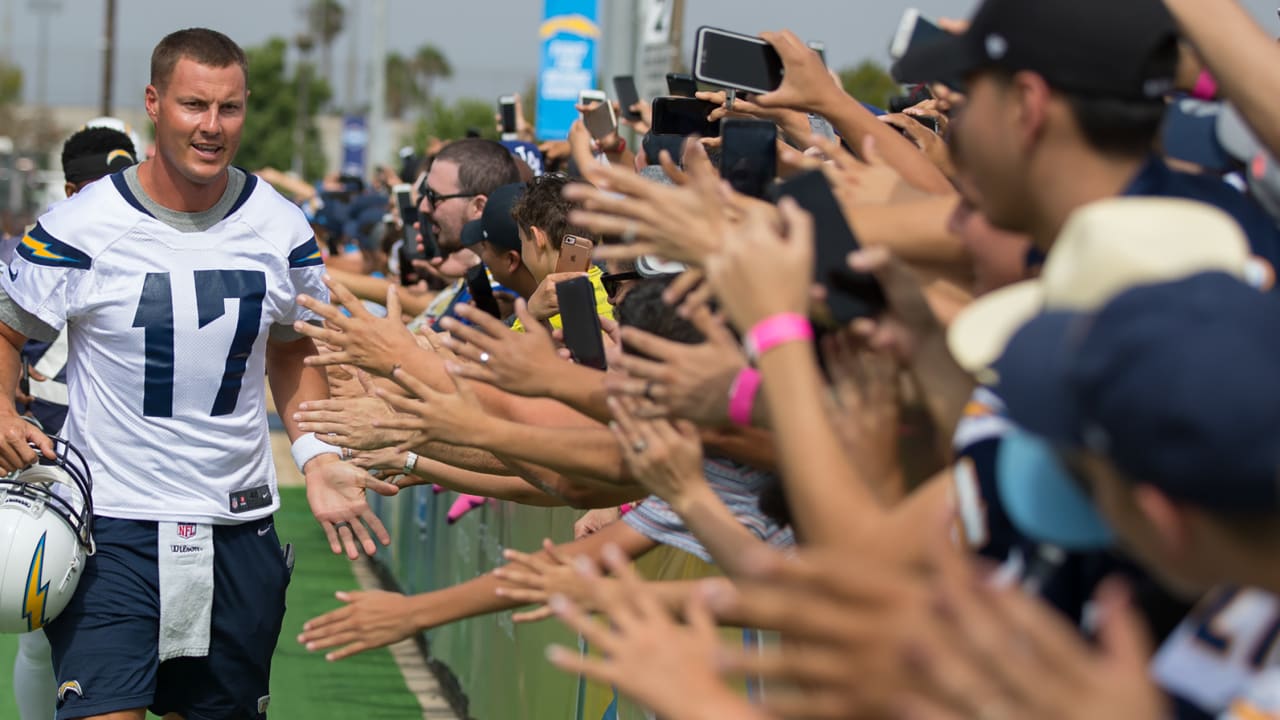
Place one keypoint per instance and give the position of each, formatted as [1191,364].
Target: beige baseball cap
[1104,249]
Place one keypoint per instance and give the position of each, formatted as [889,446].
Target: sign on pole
[569,32]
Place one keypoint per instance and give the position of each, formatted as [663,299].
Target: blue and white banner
[569,32]
[355,140]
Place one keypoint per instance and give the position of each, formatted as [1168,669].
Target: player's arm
[17,435]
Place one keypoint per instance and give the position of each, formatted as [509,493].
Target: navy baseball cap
[496,226]
[1175,383]
[1098,48]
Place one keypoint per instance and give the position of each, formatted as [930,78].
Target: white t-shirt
[167,330]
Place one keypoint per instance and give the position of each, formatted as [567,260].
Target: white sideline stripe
[412,665]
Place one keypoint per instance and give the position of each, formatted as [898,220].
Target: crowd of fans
[1032,473]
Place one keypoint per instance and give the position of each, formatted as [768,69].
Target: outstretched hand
[364,340]
[336,493]
[432,415]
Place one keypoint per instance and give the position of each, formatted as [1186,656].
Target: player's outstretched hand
[373,343]
[19,441]
[370,619]
[335,491]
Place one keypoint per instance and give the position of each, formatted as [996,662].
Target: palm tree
[402,91]
[429,64]
[325,21]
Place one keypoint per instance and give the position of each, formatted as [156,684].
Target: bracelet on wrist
[776,330]
[410,462]
[742,396]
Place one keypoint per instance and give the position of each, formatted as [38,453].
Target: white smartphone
[590,96]
[507,109]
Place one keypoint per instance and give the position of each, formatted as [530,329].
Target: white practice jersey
[1223,657]
[167,333]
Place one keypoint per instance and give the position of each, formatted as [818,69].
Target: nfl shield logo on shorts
[186,531]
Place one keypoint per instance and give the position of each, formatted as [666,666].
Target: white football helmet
[46,532]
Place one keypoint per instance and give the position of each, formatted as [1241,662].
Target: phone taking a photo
[575,254]
[736,61]
[507,109]
[913,30]
[681,85]
[582,333]
[482,291]
[749,155]
[624,86]
[601,121]
[850,294]
[409,250]
[684,116]
[586,97]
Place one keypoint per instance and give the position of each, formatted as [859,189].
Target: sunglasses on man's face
[613,281]
[435,198]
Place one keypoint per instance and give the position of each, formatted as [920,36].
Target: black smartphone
[914,29]
[507,109]
[409,250]
[749,155]
[681,85]
[481,291]
[624,86]
[733,60]
[683,116]
[850,294]
[582,334]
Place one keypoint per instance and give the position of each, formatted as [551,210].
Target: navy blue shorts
[106,642]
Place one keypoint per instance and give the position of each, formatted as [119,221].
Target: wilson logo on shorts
[67,688]
[186,531]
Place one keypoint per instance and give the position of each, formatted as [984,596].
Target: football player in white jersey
[176,280]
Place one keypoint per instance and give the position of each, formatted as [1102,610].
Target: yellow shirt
[603,308]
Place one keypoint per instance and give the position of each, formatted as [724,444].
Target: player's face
[199,115]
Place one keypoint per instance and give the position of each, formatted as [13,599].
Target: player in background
[176,281]
[88,155]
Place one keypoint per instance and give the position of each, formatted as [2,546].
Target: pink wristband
[1206,87]
[776,330]
[742,396]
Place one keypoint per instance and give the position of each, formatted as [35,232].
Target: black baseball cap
[1098,48]
[496,226]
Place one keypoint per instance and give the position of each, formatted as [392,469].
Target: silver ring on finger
[484,358]
[639,446]
[629,233]
[648,391]
[346,453]
[340,525]
[728,101]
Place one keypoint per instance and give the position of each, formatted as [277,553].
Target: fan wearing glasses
[455,192]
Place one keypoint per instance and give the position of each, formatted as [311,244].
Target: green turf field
[367,686]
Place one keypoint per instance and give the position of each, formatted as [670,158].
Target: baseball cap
[1190,133]
[1104,248]
[1100,48]
[1173,382]
[496,226]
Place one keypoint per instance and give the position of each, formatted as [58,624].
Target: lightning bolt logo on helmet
[33,607]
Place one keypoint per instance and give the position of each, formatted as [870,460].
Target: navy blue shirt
[1156,179]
